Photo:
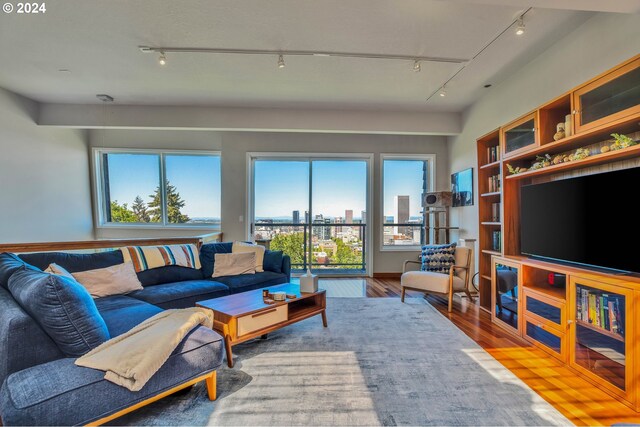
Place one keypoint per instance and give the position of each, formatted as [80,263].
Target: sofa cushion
[430,281]
[65,394]
[121,313]
[62,307]
[115,280]
[9,264]
[181,294]
[23,343]
[208,253]
[273,261]
[234,264]
[248,282]
[74,262]
[171,273]
[438,258]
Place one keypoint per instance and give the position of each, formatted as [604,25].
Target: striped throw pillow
[438,258]
[148,257]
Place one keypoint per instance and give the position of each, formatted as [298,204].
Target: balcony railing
[335,248]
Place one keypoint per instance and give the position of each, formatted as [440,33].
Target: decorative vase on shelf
[567,125]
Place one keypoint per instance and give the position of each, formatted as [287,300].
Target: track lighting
[280,61]
[162,60]
[416,66]
[443,92]
[520,27]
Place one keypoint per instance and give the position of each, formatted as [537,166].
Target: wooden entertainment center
[586,318]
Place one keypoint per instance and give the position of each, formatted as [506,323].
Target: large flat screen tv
[588,220]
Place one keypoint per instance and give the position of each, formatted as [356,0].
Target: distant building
[336,230]
[321,233]
[348,216]
[296,217]
[401,213]
[306,217]
[363,220]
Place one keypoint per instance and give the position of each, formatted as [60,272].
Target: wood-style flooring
[577,399]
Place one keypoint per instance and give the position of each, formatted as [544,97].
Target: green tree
[122,213]
[345,255]
[140,210]
[174,204]
[291,244]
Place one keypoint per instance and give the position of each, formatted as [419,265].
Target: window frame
[97,177]
[431,171]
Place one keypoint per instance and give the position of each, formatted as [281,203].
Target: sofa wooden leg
[211,385]
[404,290]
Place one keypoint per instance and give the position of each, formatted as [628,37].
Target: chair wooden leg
[211,385]
[404,290]
[466,291]
[450,301]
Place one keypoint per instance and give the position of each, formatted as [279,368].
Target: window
[312,208]
[158,188]
[404,179]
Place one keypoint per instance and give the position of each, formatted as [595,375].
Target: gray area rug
[380,362]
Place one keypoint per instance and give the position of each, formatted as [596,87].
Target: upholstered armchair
[438,283]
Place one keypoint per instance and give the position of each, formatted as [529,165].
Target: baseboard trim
[387,275]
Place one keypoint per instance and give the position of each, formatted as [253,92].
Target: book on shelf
[495,212]
[601,309]
[494,183]
[496,240]
[493,154]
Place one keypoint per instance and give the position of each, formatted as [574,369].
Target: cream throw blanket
[132,358]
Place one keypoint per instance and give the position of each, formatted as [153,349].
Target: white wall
[44,177]
[596,46]
[236,145]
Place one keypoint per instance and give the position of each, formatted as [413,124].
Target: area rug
[380,362]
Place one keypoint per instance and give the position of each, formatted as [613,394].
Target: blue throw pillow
[438,258]
[9,264]
[273,261]
[62,307]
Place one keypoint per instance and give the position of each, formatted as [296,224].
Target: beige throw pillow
[115,280]
[59,270]
[242,247]
[234,264]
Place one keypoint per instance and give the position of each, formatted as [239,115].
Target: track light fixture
[280,61]
[416,66]
[443,92]
[520,27]
[162,60]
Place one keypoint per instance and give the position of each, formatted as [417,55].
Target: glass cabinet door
[609,98]
[505,297]
[599,335]
[519,135]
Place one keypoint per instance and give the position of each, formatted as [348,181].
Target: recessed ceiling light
[520,27]
[416,66]
[64,70]
[280,61]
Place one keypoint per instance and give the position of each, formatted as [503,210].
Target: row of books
[496,243]
[495,212]
[494,183]
[601,309]
[493,154]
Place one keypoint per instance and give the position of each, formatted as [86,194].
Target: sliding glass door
[313,209]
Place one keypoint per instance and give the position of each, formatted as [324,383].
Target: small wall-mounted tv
[589,220]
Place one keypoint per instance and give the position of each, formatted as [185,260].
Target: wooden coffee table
[244,316]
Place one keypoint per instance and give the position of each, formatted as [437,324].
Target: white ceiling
[97,41]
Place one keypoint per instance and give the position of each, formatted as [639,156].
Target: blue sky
[282,186]
[197,179]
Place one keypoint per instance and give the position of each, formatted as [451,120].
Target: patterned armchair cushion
[438,258]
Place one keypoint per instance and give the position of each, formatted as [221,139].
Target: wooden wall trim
[108,243]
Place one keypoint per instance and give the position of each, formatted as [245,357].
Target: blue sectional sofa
[41,385]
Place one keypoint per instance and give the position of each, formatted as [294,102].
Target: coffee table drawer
[262,319]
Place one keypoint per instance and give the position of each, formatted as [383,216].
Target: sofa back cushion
[273,261]
[62,307]
[169,274]
[208,253]
[9,264]
[74,262]
[118,279]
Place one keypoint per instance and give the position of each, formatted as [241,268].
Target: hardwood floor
[580,401]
